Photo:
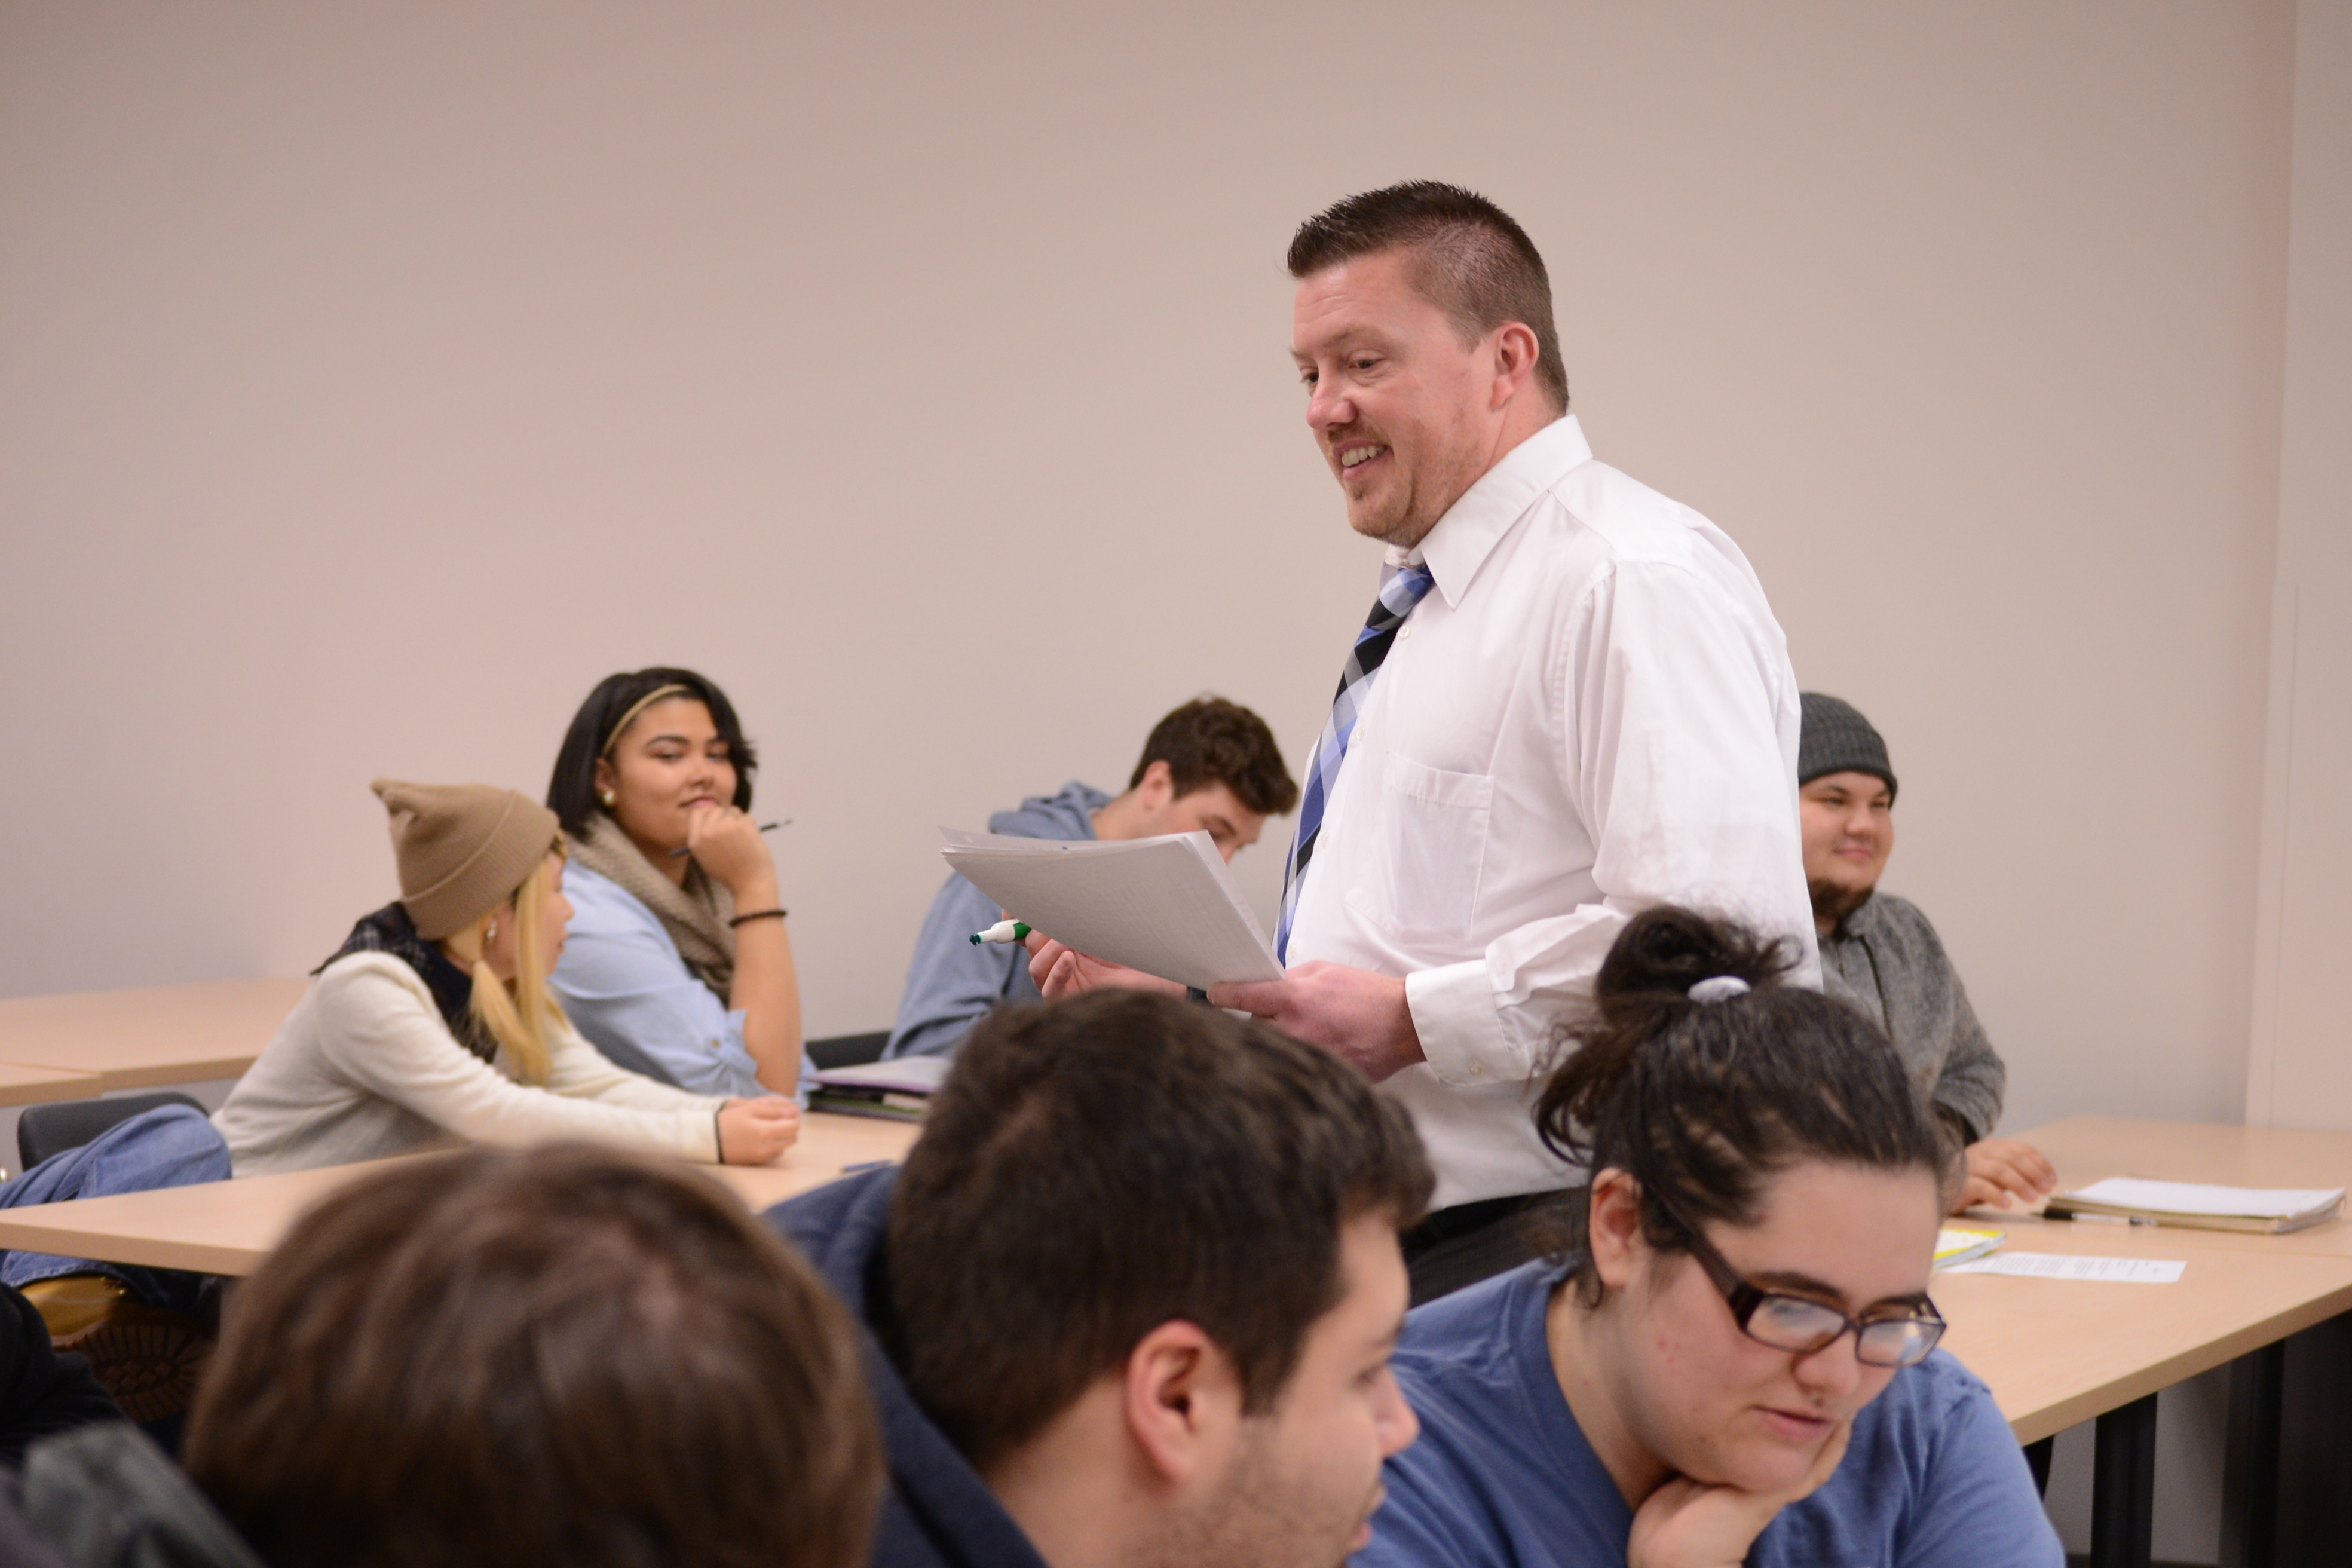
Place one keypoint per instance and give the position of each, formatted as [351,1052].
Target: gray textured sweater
[1887,959]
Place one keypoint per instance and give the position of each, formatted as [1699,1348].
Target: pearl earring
[489,933]
[608,797]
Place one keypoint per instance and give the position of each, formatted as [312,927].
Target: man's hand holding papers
[1358,1016]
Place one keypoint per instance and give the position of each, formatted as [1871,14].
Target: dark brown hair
[1209,740]
[571,789]
[1701,1102]
[1470,259]
[1098,1167]
[570,1356]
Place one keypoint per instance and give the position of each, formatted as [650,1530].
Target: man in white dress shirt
[1588,709]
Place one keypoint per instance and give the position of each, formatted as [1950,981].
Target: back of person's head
[570,1356]
[1209,740]
[1098,1167]
[1702,1075]
[617,699]
[1470,259]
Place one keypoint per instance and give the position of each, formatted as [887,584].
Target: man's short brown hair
[1470,259]
[1098,1167]
[1209,740]
[570,1356]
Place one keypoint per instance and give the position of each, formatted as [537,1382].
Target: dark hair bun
[1672,949]
[1701,1102]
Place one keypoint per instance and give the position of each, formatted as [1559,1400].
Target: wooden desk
[38,1086]
[2086,1149]
[2057,1352]
[228,1228]
[142,1038]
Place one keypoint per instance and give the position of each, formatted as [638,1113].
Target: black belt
[1450,1223]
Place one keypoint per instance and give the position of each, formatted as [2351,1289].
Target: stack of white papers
[2203,1206]
[1166,906]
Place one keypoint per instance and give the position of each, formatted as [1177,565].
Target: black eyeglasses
[1801,1325]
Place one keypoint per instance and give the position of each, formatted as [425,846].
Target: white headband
[1717,988]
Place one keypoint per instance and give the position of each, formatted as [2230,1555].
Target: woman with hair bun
[1731,1359]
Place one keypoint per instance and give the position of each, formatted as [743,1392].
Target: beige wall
[374,378]
[2299,1071]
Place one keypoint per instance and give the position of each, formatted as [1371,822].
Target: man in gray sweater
[1879,953]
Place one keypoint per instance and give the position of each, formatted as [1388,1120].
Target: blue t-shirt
[1501,1477]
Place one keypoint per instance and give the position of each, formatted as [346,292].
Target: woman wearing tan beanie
[433,1023]
[432,1026]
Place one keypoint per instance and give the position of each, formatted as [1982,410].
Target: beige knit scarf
[694,915]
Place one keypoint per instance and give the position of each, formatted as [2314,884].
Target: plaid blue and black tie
[1401,589]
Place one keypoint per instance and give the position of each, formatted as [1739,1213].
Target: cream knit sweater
[364,1068]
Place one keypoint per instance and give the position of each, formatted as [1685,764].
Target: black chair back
[846,1050]
[45,1129]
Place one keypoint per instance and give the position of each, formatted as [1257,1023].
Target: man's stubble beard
[1836,904]
[1255,1521]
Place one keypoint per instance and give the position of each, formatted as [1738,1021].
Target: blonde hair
[521,1013]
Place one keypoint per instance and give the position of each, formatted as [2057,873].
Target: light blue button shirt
[626,987]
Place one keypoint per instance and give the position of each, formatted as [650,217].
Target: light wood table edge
[193,1255]
[52,1086]
[2050,1420]
[172,1075]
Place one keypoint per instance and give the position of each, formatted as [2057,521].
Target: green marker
[1002,931]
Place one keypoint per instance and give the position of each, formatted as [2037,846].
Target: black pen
[764,827]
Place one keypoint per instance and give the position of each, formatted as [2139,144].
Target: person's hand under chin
[1691,1524]
[2006,1173]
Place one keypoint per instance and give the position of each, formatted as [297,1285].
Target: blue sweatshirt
[951,983]
[939,1513]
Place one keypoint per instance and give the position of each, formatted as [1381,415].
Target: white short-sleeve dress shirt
[1592,711]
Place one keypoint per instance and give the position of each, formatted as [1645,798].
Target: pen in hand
[1002,931]
[764,827]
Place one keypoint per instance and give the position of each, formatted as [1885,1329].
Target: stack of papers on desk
[1166,906]
[1955,1246]
[897,1091]
[2265,1209]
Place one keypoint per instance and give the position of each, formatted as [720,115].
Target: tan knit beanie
[463,849]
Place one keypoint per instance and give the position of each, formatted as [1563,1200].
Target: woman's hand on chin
[1689,1524]
[727,845]
[754,1131]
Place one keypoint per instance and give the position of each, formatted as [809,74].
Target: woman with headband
[1732,1359]
[679,965]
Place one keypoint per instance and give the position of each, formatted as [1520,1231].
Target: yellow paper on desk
[1964,1245]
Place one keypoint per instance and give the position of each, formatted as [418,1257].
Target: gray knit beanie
[463,849]
[1836,739]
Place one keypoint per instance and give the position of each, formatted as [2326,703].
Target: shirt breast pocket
[1420,878]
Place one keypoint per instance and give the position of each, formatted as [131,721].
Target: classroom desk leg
[2037,1459]
[2123,1486]
[2250,1467]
